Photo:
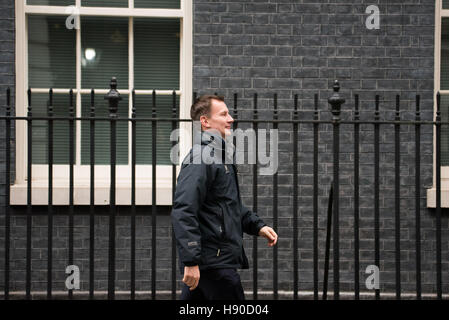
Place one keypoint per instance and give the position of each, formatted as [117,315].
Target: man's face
[219,118]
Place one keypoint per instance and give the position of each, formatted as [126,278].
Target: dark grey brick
[260,7]
[236,39]
[260,29]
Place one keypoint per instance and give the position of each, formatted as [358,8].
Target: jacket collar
[214,140]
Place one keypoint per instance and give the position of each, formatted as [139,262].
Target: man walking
[208,216]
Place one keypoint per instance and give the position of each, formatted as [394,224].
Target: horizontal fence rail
[331,216]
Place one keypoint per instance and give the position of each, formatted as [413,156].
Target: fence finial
[50,103]
[114,97]
[336,101]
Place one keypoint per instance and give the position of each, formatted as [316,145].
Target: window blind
[444,85]
[102,131]
[51,2]
[156,54]
[166,4]
[51,64]
[144,141]
[103,3]
[444,106]
[51,53]
[61,146]
[156,66]
[444,74]
[104,52]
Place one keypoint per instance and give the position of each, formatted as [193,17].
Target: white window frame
[431,193]
[102,172]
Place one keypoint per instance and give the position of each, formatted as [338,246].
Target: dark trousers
[216,284]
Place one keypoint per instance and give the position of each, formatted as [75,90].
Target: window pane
[444,130]
[144,107]
[51,2]
[167,4]
[445,54]
[156,54]
[102,131]
[61,103]
[104,52]
[445,4]
[51,52]
[104,3]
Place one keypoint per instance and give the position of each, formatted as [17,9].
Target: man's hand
[269,233]
[191,277]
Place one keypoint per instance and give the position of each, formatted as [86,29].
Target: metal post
[418,197]
[8,190]
[113,96]
[295,200]
[173,245]
[153,198]
[315,198]
[397,190]
[275,210]
[92,197]
[356,201]
[376,191]
[71,180]
[328,243]
[336,101]
[50,195]
[29,205]
[133,196]
[255,125]
[438,197]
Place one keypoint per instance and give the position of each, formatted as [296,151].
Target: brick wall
[7,79]
[301,47]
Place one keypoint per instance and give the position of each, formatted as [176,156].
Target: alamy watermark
[264,141]
[373,20]
[373,280]
[73,280]
[72,21]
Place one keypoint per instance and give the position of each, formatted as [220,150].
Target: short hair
[201,106]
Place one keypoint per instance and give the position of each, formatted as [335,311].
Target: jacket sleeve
[190,193]
[251,222]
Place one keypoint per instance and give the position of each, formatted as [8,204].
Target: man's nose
[230,119]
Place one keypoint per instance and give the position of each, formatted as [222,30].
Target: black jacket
[208,216]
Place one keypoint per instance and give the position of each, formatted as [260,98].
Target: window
[146,44]
[442,86]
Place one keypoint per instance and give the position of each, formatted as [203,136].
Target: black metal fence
[333,220]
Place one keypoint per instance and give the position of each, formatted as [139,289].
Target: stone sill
[431,197]
[81,193]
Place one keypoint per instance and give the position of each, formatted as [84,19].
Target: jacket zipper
[223,226]
[237,183]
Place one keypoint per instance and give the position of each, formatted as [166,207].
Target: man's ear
[204,122]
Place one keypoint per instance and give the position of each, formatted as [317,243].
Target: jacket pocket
[220,254]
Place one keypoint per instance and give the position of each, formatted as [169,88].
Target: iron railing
[333,219]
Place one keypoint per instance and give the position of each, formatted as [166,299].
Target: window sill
[81,193]
[431,197]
